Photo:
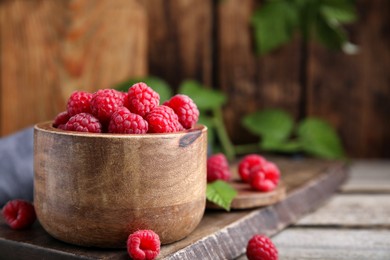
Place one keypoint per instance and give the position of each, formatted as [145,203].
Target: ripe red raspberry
[104,102]
[261,247]
[185,109]
[143,244]
[142,99]
[124,122]
[79,102]
[218,168]
[162,119]
[61,119]
[247,163]
[265,178]
[84,122]
[19,214]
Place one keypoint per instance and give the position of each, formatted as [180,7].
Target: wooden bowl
[96,189]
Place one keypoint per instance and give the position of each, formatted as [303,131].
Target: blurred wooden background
[50,48]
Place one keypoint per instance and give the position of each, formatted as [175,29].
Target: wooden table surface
[353,224]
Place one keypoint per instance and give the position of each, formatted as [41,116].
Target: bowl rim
[48,127]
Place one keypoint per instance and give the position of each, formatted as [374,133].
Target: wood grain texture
[304,243]
[357,210]
[220,235]
[48,49]
[352,91]
[96,189]
[250,81]
[180,40]
[368,176]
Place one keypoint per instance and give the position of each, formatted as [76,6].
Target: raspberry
[79,102]
[124,122]
[84,122]
[261,247]
[218,168]
[19,214]
[162,119]
[185,108]
[143,244]
[265,178]
[142,99]
[61,119]
[247,163]
[104,102]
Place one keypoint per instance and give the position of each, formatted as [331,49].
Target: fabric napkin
[16,166]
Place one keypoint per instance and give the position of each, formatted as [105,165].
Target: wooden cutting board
[247,198]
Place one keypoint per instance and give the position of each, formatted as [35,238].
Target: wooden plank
[48,49]
[352,91]
[307,243]
[368,176]
[180,40]
[252,82]
[220,234]
[348,210]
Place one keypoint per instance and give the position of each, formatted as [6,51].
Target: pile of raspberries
[137,111]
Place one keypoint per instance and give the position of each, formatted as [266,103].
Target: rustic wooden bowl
[96,189]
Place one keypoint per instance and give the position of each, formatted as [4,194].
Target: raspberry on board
[185,108]
[247,163]
[218,168]
[84,122]
[162,119]
[143,244]
[61,119]
[79,102]
[124,122]
[142,99]
[19,214]
[265,178]
[261,247]
[104,102]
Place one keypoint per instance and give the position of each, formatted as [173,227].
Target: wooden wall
[50,48]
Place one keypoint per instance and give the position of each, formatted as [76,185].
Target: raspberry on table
[104,102]
[79,102]
[247,163]
[185,108]
[261,247]
[265,178]
[61,119]
[19,214]
[162,119]
[142,99]
[84,122]
[143,244]
[218,168]
[124,122]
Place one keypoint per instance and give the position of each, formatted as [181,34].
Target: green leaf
[277,146]
[274,24]
[209,122]
[329,34]
[320,139]
[221,193]
[342,11]
[157,84]
[204,98]
[271,124]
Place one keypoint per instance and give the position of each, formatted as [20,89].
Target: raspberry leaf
[221,193]
[273,125]
[203,97]
[319,138]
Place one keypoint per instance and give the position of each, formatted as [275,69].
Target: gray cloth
[16,166]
